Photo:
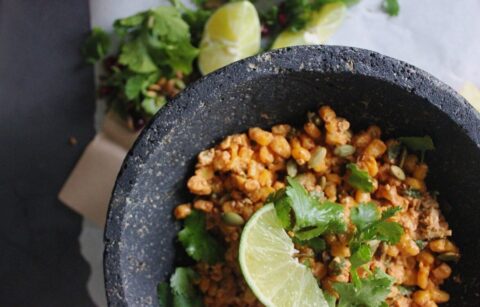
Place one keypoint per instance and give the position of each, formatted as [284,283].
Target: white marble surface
[439,36]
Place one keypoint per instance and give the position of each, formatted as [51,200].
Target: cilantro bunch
[155,53]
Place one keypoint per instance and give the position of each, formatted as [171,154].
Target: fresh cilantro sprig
[370,226]
[181,291]
[96,46]
[310,217]
[372,292]
[359,179]
[421,144]
[198,243]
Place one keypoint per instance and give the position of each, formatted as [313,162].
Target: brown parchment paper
[90,184]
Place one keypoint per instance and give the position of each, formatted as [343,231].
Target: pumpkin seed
[397,172]
[232,219]
[450,256]
[292,169]
[318,157]
[344,150]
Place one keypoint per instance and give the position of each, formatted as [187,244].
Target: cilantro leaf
[359,179]
[418,143]
[331,300]
[370,227]
[310,212]
[391,7]
[129,24]
[372,292]
[317,244]
[389,232]
[96,46]
[134,54]
[184,293]
[421,144]
[364,215]
[198,243]
[158,40]
[135,85]
[282,207]
[164,294]
[311,217]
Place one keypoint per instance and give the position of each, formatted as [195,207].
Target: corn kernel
[420,171]
[331,191]
[362,197]
[375,149]
[265,156]
[280,146]
[374,131]
[442,245]
[414,183]
[265,178]
[199,185]
[340,250]
[301,155]
[362,140]
[203,205]
[327,114]
[421,297]
[422,276]
[392,250]
[260,136]
[439,296]
[333,178]
[307,142]
[281,130]
[182,211]
[312,130]
[443,271]
[408,246]
[426,258]
[410,163]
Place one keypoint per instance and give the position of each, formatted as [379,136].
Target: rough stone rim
[340,59]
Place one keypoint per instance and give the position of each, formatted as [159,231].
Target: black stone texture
[280,87]
[46,96]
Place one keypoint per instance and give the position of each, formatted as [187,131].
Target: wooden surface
[46,97]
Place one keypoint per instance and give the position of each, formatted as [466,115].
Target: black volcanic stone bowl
[280,87]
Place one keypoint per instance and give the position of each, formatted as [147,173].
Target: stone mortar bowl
[280,87]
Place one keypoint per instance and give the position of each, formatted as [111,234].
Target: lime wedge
[268,266]
[318,30]
[231,34]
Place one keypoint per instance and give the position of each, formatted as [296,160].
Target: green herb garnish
[312,217]
[359,179]
[317,244]
[421,144]
[372,292]
[370,226]
[96,46]
[181,291]
[198,243]
[392,7]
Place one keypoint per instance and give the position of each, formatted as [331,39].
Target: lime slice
[271,271]
[231,34]
[318,30]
